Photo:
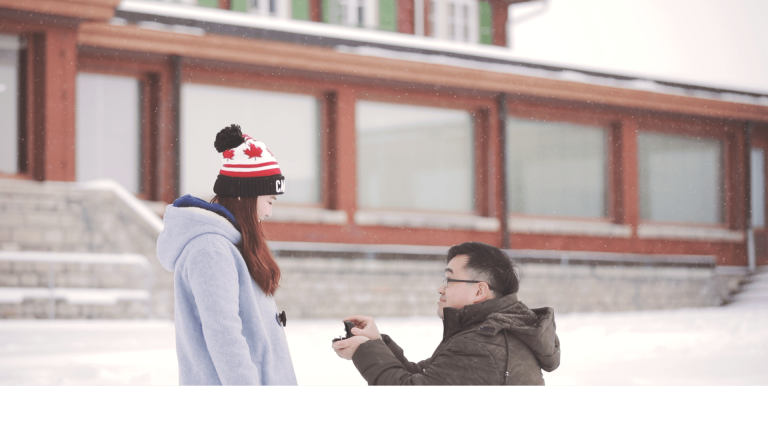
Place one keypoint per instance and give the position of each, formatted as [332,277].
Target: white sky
[719,43]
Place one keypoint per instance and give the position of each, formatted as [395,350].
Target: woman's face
[264,206]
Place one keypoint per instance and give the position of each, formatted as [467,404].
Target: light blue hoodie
[227,330]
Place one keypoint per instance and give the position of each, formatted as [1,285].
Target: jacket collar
[190,201]
[458,320]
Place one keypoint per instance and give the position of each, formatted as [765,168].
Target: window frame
[235,78]
[592,118]
[696,128]
[476,106]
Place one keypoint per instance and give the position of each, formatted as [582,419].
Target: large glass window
[556,168]
[287,123]
[414,158]
[108,129]
[680,178]
[9,103]
[757,186]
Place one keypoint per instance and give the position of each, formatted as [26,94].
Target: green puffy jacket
[496,342]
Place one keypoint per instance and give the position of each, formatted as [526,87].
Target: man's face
[457,294]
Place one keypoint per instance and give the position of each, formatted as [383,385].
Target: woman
[228,329]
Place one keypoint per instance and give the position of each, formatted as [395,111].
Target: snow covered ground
[713,346]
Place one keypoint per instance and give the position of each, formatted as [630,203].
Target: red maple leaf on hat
[229,154]
[253,152]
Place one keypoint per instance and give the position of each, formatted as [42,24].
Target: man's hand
[346,348]
[364,326]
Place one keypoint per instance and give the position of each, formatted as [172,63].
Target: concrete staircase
[753,291]
[61,221]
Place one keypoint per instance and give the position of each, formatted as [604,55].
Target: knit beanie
[248,169]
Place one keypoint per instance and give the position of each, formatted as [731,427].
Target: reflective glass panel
[287,123]
[757,185]
[108,129]
[680,178]
[556,168]
[414,157]
[9,103]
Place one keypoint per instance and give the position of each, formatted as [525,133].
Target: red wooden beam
[52,60]
[405,16]
[499,17]
[344,185]
[625,191]
[316,10]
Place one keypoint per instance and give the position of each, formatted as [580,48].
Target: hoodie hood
[534,327]
[190,217]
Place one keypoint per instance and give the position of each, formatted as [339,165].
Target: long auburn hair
[261,264]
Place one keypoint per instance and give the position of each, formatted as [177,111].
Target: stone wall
[319,280]
[338,284]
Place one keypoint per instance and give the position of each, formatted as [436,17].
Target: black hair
[228,138]
[490,264]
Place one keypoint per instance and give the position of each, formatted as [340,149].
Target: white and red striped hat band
[248,170]
[249,159]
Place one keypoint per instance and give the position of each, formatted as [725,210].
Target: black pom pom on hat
[228,138]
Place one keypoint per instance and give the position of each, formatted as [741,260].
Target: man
[489,336]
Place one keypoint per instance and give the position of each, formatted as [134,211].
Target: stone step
[100,296]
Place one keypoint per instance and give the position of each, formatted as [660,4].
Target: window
[757,186]
[287,123]
[432,18]
[360,13]
[556,168]
[453,20]
[206,3]
[680,178]
[414,158]
[9,104]
[108,129]
[298,9]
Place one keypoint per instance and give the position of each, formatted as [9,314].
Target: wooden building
[397,122]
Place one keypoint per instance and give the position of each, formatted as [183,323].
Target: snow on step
[100,296]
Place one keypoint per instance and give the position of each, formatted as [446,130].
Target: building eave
[96,10]
[292,56]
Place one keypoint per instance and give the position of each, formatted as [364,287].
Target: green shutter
[300,9]
[239,5]
[388,15]
[484,13]
[208,3]
[326,12]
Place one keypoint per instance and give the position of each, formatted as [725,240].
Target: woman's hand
[346,348]
[364,326]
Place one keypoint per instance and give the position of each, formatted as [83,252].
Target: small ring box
[348,325]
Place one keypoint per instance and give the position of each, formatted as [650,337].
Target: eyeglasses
[447,280]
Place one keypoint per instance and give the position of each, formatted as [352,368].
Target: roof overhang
[96,10]
[285,56]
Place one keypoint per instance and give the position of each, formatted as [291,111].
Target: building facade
[396,122]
